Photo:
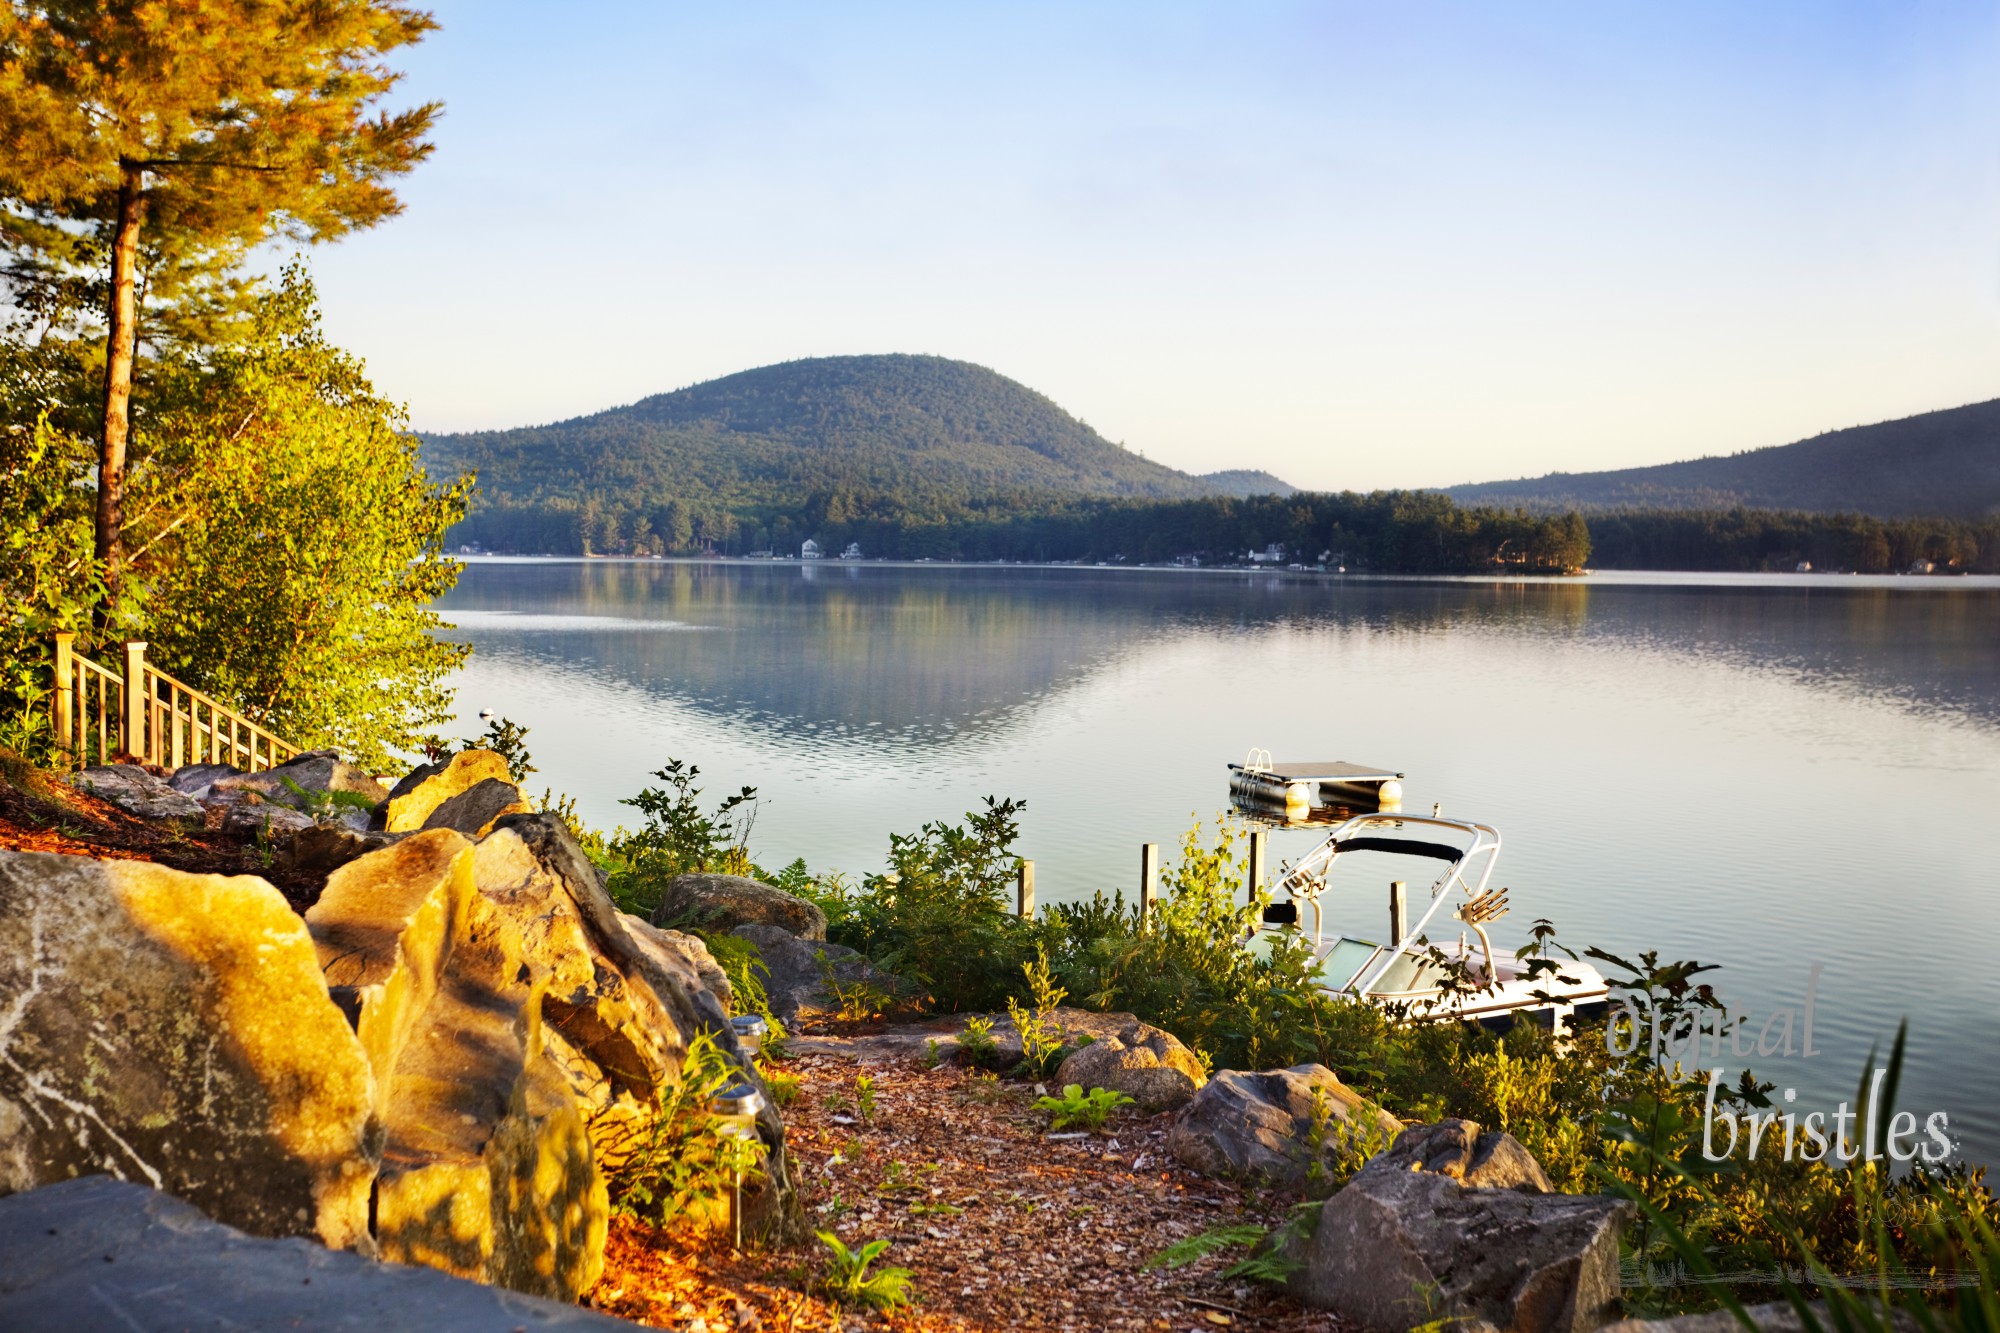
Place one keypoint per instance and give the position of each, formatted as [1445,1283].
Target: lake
[1768,773]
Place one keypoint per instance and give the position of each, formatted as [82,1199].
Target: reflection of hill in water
[926,654]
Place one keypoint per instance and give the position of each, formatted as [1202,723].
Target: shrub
[848,1281]
[1077,1107]
[683,1161]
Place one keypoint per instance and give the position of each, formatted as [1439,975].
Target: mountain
[1943,463]
[921,429]
[1243,483]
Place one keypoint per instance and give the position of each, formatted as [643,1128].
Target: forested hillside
[771,456]
[1939,463]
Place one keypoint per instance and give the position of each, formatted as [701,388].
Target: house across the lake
[809,550]
[853,551]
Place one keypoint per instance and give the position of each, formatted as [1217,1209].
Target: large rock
[1402,1245]
[248,816]
[802,973]
[428,786]
[1148,1065]
[175,1030]
[195,780]
[683,955]
[98,1253]
[660,998]
[473,811]
[137,792]
[320,850]
[724,902]
[487,1171]
[1770,1317]
[316,782]
[1295,1127]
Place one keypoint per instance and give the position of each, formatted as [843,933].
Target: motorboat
[1416,978]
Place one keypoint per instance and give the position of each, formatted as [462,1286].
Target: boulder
[683,955]
[487,1170]
[195,780]
[248,816]
[473,810]
[724,902]
[661,1000]
[428,786]
[799,971]
[1148,1065]
[99,1253]
[1296,1128]
[1402,1245]
[137,792]
[315,782]
[1770,1317]
[324,848]
[175,1030]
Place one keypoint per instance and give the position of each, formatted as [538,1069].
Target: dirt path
[1002,1227]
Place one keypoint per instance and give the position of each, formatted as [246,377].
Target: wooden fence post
[1399,912]
[1255,879]
[135,701]
[1149,882]
[66,697]
[1024,890]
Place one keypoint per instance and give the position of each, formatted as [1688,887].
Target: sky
[1399,243]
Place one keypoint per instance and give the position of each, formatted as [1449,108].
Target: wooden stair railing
[150,716]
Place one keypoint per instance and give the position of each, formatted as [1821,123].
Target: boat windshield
[1341,960]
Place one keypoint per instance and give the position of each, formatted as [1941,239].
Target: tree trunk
[121,348]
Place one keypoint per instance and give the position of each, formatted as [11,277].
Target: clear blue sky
[1396,243]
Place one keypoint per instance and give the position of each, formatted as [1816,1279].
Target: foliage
[1077,1107]
[864,1097]
[976,1040]
[1041,1034]
[678,837]
[285,545]
[683,1160]
[1192,1248]
[940,916]
[504,737]
[743,964]
[849,1282]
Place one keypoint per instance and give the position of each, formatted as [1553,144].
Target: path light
[735,1110]
[751,1029]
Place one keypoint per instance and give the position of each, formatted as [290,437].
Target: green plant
[784,1088]
[508,739]
[1184,1252]
[864,1097]
[678,837]
[976,1040]
[848,1281]
[1041,1035]
[682,1160]
[1077,1107]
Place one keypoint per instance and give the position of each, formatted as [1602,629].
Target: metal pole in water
[1149,881]
[1399,916]
[1024,890]
[1256,878]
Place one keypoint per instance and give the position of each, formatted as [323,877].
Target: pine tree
[154,143]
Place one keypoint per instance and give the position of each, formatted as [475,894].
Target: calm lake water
[1771,774]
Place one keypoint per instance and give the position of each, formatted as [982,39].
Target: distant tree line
[1748,540]
[1387,531]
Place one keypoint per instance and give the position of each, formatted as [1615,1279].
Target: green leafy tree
[147,145]
[293,543]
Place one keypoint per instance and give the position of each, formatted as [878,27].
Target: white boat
[1415,977]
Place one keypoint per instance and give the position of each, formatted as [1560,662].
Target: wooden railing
[155,719]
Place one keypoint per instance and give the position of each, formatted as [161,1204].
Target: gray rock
[175,1030]
[249,817]
[800,968]
[429,786]
[473,810]
[1493,1160]
[1261,1126]
[320,850]
[1772,1317]
[309,781]
[97,1253]
[196,779]
[137,792]
[1401,1245]
[724,902]
[1148,1065]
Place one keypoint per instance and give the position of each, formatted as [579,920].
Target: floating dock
[1304,784]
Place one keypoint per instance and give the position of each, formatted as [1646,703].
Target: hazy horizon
[1354,248]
